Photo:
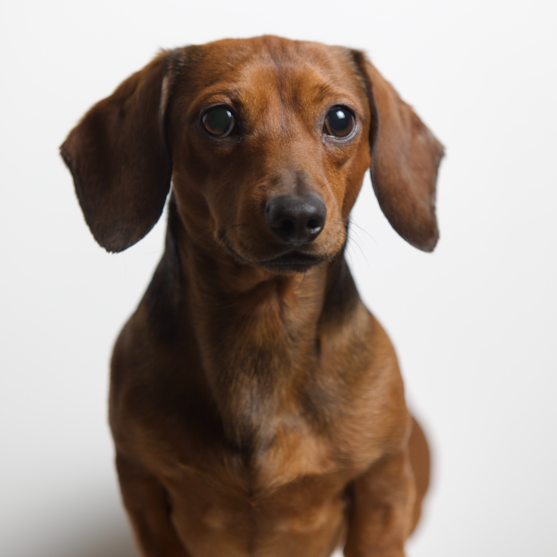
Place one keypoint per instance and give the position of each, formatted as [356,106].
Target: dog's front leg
[147,504]
[383,499]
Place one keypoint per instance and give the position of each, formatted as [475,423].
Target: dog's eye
[339,122]
[218,121]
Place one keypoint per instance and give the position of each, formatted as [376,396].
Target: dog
[256,405]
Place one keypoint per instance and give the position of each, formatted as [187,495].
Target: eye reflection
[339,122]
[218,121]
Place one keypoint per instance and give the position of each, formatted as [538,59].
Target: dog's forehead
[260,71]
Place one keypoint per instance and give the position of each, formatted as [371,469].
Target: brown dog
[256,405]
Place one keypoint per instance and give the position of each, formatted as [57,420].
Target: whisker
[364,231]
[352,241]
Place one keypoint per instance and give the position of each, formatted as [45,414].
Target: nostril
[313,224]
[285,225]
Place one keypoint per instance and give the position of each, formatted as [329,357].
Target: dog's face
[270,146]
[267,141]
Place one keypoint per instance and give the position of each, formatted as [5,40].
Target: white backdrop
[474,323]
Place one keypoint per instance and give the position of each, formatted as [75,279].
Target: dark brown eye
[218,121]
[339,122]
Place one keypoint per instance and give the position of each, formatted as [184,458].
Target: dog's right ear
[405,160]
[119,159]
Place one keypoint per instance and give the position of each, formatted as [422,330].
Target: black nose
[296,219]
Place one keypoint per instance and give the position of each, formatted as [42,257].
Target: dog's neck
[258,335]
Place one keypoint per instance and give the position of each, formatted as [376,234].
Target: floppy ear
[404,162]
[118,157]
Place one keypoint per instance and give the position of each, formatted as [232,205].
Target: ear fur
[119,159]
[405,160]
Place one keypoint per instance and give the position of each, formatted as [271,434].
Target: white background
[474,323]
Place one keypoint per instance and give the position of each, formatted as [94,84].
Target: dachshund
[256,405]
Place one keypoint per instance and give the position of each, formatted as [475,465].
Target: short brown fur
[257,410]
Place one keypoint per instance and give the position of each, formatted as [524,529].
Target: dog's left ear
[119,159]
[405,158]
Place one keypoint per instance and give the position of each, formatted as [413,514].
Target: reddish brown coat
[257,411]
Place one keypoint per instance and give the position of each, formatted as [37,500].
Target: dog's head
[266,142]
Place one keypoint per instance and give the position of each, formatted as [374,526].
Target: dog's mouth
[291,261]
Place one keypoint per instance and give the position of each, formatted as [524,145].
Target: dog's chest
[264,435]
[292,481]
[283,448]
[287,449]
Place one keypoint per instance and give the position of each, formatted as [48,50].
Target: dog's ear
[119,159]
[405,158]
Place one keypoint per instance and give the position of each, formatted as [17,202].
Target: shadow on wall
[108,544]
[91,535]
[108,541]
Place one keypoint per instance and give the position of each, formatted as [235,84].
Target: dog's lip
[291,259]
